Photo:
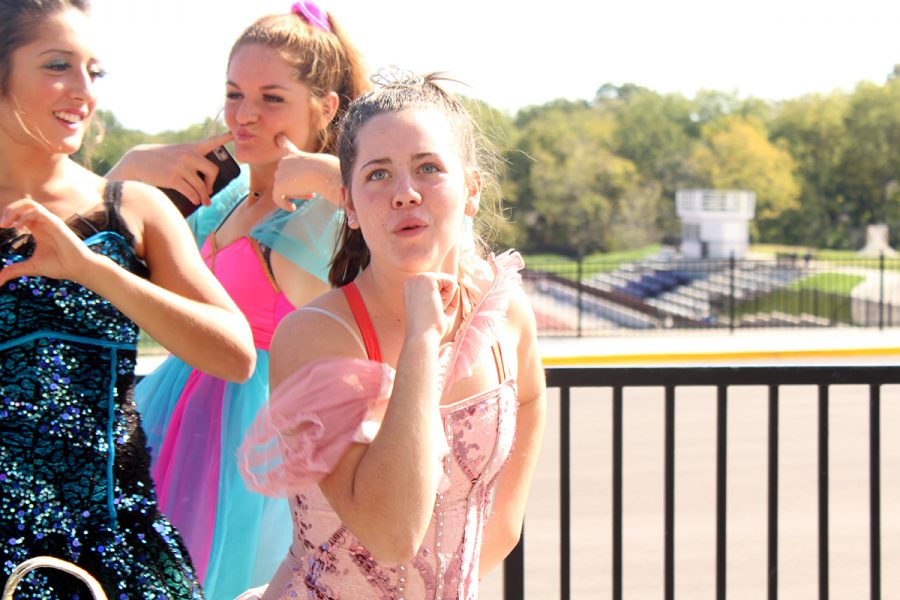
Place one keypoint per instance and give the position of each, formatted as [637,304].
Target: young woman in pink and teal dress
[289,78]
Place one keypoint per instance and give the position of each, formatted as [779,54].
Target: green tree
[500,134]
[737,154]
[572,188]
[545,137]
[870,170]
[813,129]
[654,132]
[712,105]
[107,140]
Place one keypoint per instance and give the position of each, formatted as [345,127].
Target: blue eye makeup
[57,65]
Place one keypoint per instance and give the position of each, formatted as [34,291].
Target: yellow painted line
[569,361]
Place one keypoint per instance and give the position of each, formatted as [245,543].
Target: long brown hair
[325,61]
[19,20]
[398,91]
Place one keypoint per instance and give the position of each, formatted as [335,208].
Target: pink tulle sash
[312,418]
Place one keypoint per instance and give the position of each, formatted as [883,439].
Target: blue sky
[166,58]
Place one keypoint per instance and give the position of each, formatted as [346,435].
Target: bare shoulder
[316,330]
[523,328]
[150,215]
[520,314]
[145,201]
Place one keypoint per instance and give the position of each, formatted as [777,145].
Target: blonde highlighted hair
[324,61]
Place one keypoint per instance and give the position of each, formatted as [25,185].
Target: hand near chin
[431,301]
[300,175]
[58,253]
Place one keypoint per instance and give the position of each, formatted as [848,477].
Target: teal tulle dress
[195,422]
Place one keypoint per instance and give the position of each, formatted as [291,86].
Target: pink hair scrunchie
[311,13]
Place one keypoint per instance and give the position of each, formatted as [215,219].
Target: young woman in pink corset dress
[406,436]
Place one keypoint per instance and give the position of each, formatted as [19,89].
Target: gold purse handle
[54,563]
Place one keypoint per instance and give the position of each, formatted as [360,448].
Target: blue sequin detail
[74,465]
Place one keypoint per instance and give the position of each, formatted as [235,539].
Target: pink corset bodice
[325,557]
[242,270]
[317,412]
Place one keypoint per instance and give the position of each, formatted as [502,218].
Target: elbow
[511,537]
[243,371]
[395,551]
[243,367]
[505,536]
[241,363]
[238,364]
[391,527]
[398,543]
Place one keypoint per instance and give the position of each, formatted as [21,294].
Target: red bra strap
[499,363]
[363,321]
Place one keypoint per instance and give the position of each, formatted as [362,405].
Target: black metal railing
[722,378]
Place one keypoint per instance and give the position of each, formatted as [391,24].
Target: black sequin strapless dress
[74,467]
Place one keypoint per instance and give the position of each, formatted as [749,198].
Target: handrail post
[580,274]
[565,494]
[669,536]
[773,494]
[721,492]
[823,492]
[875,491]
[514,571]
[617,410]
[881,291]
[731,266]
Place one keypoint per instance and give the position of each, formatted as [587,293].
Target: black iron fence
[596,297]
[777,381]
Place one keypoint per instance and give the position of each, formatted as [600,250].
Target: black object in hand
[228,170]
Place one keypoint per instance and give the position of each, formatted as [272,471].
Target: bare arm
[182,306]
[182,167]
[186,309]
[383,491]
[504,526]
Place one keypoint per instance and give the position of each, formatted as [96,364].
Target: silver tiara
[394,76]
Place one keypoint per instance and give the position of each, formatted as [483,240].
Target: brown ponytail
[350,257]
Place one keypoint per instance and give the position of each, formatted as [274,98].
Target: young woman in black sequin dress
[83,265]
